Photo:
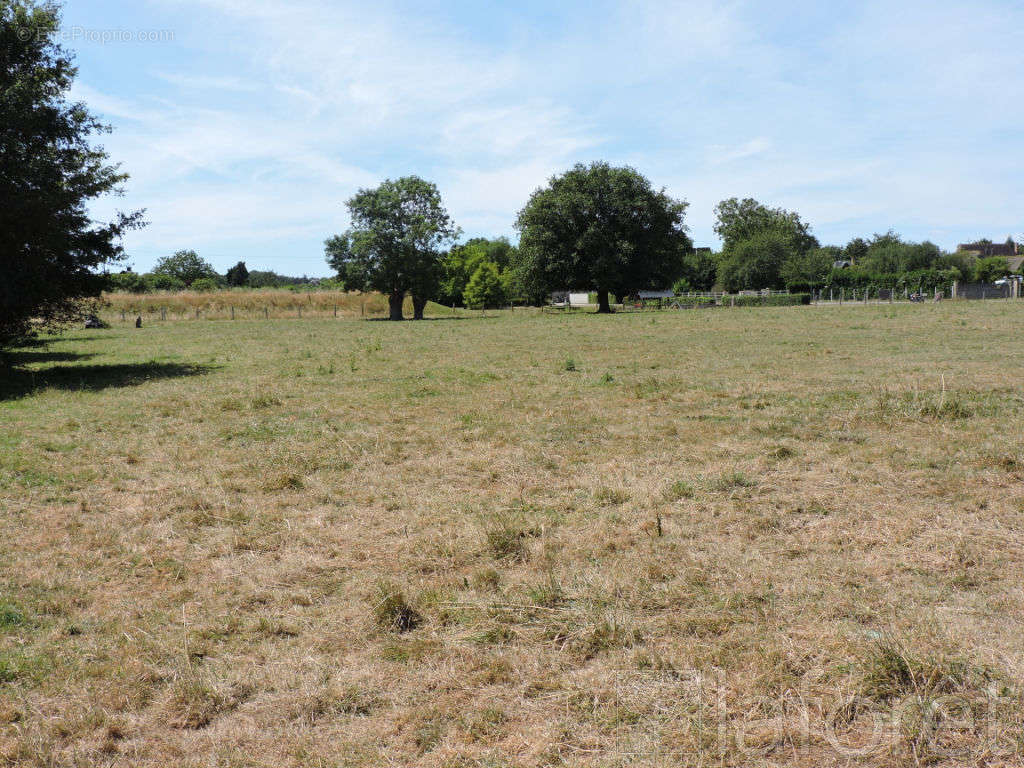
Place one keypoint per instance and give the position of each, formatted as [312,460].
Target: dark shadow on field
[18,382]
[25,357]
[425,319]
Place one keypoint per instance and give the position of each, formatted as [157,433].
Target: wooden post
[232,311]
[335,310]
[122,316]
[842,294]
[300,311]
[197,313]
[266,313]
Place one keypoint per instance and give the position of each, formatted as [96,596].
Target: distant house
[986,248]
[842,264]
[1016,264]
[655,294]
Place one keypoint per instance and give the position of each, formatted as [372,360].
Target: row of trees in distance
[186,270]
[607,230]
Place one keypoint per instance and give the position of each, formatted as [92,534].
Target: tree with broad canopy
[395,242]
[602,229]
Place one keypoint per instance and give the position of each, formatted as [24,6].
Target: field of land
[720,537]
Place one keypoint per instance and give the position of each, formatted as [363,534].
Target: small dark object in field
[91,321]
[138,321]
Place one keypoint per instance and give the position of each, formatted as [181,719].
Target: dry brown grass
[736,537]
[249,304]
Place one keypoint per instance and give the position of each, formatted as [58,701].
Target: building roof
[655,294]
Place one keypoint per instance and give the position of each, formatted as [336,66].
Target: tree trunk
[603,307]
[418,305]
[395,301]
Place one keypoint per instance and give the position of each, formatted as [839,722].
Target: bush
[127,282]
[163,282]
[205,285]
[695,301]
[775,300]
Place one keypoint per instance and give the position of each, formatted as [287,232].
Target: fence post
[197,313]
[300,311]
[842,294]
[122,316]
[232,311]
[266,313]
[335,310]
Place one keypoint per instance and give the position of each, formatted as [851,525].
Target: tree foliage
[462,261]
[51,250]
[889,253]
[394,244]
[758,241]
[238,275]
[739,220]
[186,267]
[755,262]
[485,287]
[990,269]
[603,229]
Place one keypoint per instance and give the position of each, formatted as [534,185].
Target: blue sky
[246,124]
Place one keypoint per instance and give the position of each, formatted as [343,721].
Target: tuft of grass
[283,481]
[611,497]
[679,490]
[729,481]
[569,364]
[507,542]
[392,612]
[193,703]
[10,616]
[892,671]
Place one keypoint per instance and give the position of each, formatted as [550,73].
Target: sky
[246,124]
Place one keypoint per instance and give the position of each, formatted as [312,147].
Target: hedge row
[775,300]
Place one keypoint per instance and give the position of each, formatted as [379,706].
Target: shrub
[775,300]
[205,285]
[128,282]
[160,281]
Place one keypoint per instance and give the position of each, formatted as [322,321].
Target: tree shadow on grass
[425,319]
[19,382]
[22,357]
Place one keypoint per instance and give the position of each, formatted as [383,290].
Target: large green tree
[739,220]
[755,262]
[394,244]
[890,254]
[238,275]
[767,237]
[185,266]
[51,250]
[603,229]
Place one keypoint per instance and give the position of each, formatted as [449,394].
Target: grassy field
[721,537]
